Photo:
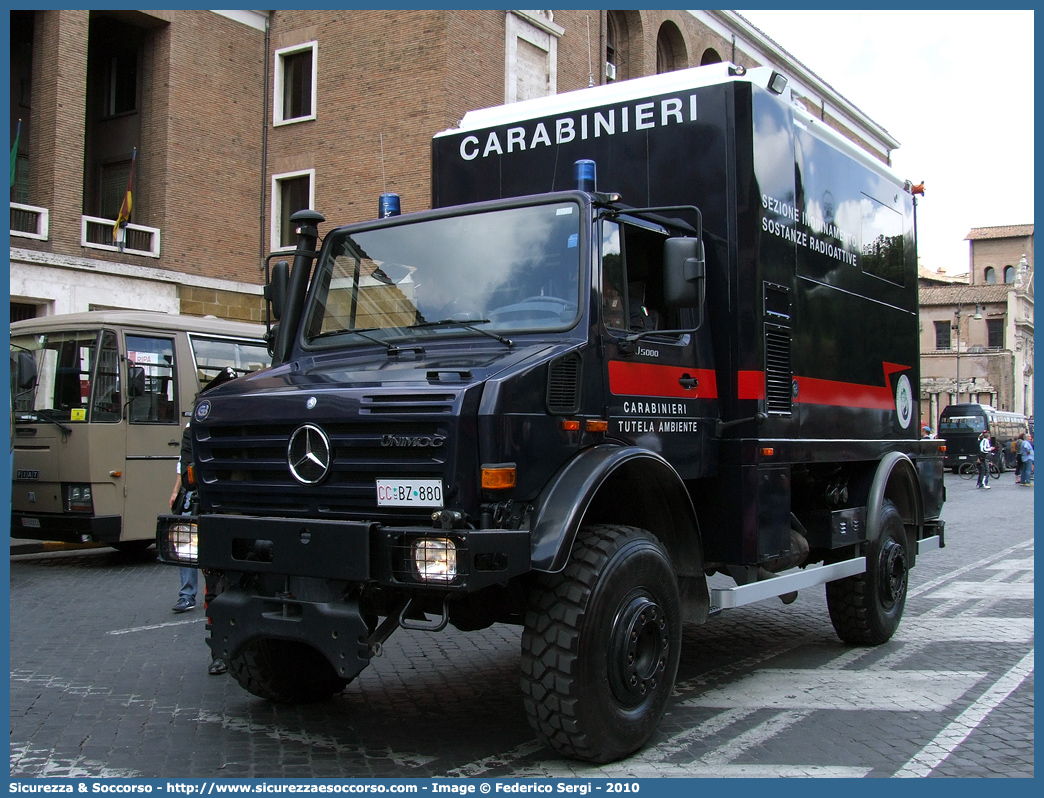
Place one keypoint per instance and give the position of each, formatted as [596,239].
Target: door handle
[687,382]
[173,443]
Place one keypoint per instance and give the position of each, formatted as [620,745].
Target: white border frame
[43,222]
[155,234]
[277,204]
[278,79]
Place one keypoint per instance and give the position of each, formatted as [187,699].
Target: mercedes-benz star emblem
[308,454]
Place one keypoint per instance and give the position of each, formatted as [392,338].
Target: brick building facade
[977,335]
[233,120]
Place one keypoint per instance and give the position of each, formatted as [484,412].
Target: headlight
[435,559]
[78,499]
[182,543]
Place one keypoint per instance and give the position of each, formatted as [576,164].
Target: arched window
[1009,274]
[710,56]
[990,275]
[670,49]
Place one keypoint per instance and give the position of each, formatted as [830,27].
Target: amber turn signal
[597,425]
[498,477]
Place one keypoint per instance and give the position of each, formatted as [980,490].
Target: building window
[670,49]
[990,275]
[21,183]
[1009,274]
[613,32]
[121,95]
[710,56]
[113,188]
[291,192]
[295,83]
[530,55]
[995,333]
[942,336]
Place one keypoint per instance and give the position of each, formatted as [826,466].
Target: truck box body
[649,333]
[811,265]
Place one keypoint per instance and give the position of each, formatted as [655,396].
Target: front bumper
[66,528]
[354,551]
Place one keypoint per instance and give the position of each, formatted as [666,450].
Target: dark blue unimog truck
[650,333]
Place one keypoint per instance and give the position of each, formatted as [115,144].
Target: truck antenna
[384,177]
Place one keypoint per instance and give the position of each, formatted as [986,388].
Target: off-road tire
[865,609]
[601,645]
[286,672]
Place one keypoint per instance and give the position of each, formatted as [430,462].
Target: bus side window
[158,404]
[107,403]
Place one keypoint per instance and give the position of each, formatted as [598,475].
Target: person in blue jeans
[1026,450]
[181,504]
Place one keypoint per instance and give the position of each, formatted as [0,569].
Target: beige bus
[99,401]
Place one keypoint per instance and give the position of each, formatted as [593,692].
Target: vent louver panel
[563,385]
[778,374]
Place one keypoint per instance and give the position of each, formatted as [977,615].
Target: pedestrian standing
[1026,449]
[181,504]
[986,450]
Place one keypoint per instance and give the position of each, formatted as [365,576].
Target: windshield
[952,424]
[513,269]
[65,375]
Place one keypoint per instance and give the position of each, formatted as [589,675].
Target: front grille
[243,467]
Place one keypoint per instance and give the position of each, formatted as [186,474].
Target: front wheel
[967,470]
[865,609]
[601,645]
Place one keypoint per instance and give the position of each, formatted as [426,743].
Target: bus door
[153,431]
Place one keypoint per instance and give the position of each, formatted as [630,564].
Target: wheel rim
[639,650]
[893,571]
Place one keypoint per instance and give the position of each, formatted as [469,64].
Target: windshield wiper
[392,349]
[37,416]
[467,325]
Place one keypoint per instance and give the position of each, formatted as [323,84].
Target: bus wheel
[865,609]
[132,546]
[286,672]
[601,645]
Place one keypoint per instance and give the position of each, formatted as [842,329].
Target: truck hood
[456,366]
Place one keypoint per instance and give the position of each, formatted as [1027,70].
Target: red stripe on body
[813,391]
[649,379]
[750,385]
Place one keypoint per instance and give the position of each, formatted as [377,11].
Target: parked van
[961,424]
[99,403]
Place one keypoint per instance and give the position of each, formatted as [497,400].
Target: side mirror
[136,380]
[684,272]
[275,291]
[25,371]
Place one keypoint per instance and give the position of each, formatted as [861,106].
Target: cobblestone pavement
[106,681]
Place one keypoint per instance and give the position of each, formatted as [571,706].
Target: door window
[151,384]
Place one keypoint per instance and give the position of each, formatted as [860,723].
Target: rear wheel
[286,672]
[967,470]
[601,645]
[865,609]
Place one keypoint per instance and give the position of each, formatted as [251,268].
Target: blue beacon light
[584,175]
[388,206]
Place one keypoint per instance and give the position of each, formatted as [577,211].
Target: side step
[729,597]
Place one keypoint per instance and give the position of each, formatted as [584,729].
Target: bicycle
[970,469]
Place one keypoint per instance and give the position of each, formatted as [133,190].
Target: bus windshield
[66,375]
[951,424]
[509,269]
